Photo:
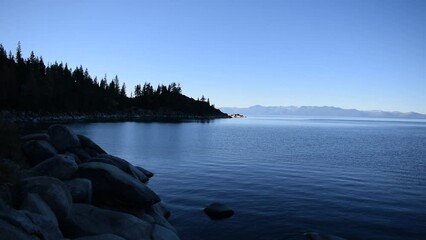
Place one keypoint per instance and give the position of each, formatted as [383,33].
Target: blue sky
[346,53]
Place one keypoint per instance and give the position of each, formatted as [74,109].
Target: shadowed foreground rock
[109,182]
[75,190]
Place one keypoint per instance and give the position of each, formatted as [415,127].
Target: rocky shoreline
[73,189]
[144,116]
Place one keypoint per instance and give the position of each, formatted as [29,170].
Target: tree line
[28,84]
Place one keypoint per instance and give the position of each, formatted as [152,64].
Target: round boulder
[37,151]
[62,138]
[51,190]
[87,220]
[112,184]
[218,211]
[60,166]
[80,189]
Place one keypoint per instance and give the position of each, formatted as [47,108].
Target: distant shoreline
[49,118]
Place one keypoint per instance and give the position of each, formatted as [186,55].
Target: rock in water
[111,183]
[60,166]
[218,211]
[62,138]
[38,150]
[86,220]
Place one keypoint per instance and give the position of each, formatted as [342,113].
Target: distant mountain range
[324,111]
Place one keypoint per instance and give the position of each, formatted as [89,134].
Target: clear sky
[363,54]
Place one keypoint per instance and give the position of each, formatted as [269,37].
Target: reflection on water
[353,178]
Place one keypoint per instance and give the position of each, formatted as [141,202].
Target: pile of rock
[74,189]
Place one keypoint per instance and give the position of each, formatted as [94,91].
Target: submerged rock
[111,183]
[218,211]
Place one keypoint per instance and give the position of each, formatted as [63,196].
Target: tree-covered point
[30,85]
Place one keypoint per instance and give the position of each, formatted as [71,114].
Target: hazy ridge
[326,111]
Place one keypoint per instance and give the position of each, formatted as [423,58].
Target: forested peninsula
[30,89]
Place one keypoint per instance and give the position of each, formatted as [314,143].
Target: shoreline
[51,118]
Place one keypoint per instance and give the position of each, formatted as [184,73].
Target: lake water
[357,179]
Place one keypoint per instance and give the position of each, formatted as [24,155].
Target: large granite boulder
[62,138]
[121,164]
[80,189]
[87,220]
[111,183]
[82,154]
[60,166]
[89,144]
[51,190]
[106,236]
[36,136]
[160,214]
[38,150]
[24,225]
[33,203]
[162,233]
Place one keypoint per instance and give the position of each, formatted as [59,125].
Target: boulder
[89,144]
[158,212]
[60,166]
[110,182]
[37,151]
[144,171]
[86,220]
[33,203]
[80,153]
[161,233]
[76,158]
[121,164]
[80,189]
[101,237]
[16,224]
[36,136]
[51,190]
[161,210]
[218,211]
[9,231]
[62,138]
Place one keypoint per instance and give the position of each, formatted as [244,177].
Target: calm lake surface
[357,179]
